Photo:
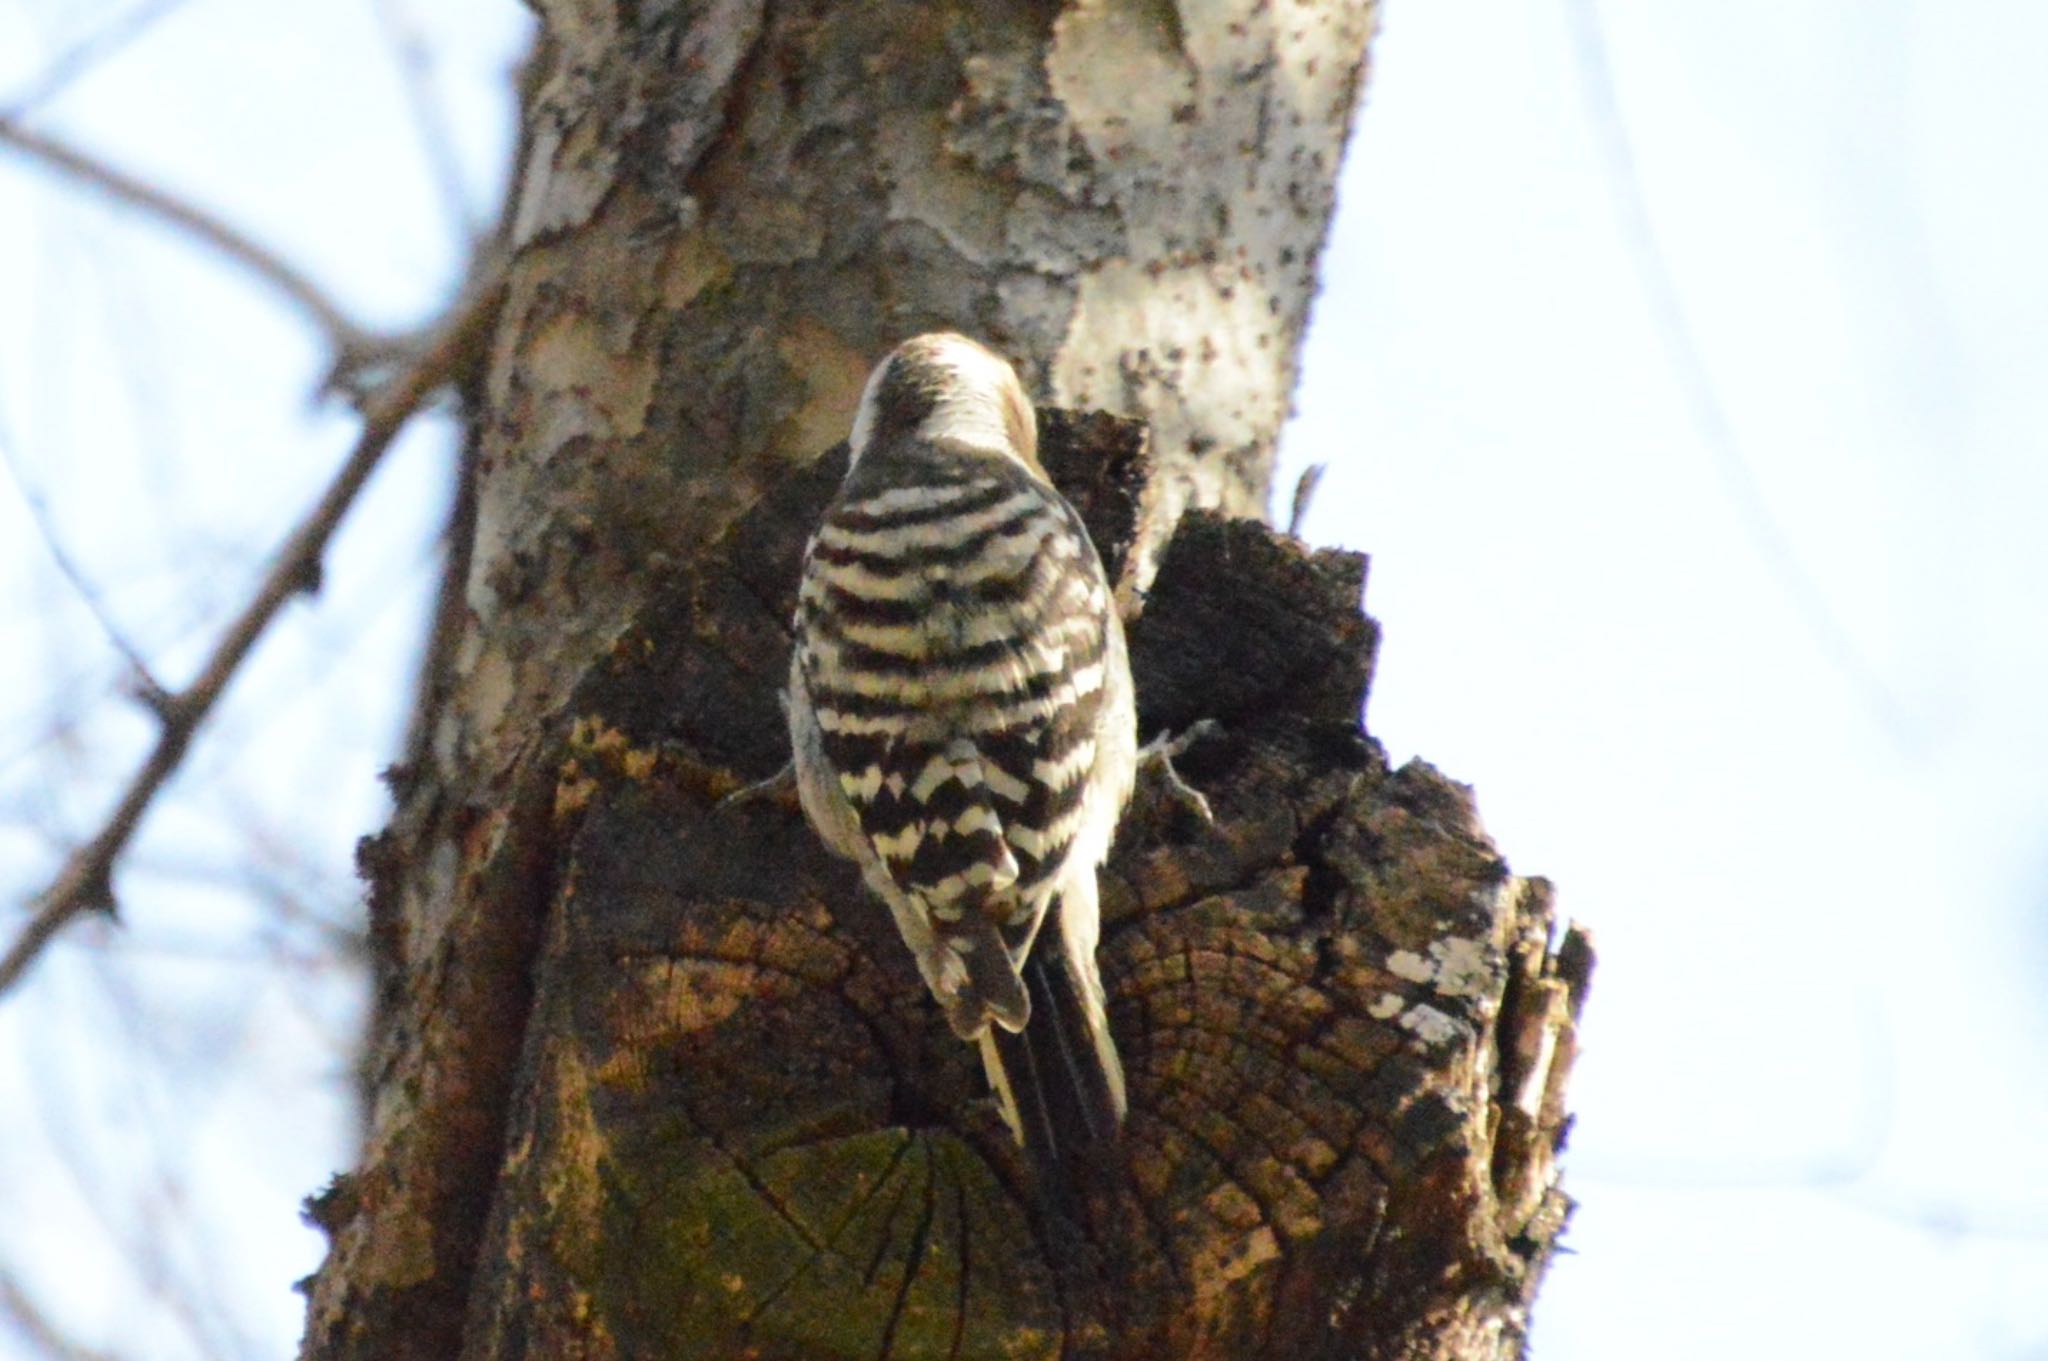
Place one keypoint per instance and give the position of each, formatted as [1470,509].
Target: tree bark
[650,1075]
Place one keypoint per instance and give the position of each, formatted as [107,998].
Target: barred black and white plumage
[963,723]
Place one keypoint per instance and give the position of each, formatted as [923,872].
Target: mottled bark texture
[650,1076]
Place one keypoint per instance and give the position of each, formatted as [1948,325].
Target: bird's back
[951,634]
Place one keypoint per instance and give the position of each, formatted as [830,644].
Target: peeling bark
[650,1075]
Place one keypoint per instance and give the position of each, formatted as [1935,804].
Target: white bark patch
[1104,54]
[928,184]
[569,171]
[711,51]
[1193,350]
[1462,967]
[1431,1026]
[574,160]
[1053,235]
[1221,177]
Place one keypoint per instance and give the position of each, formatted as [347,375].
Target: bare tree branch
[354,347]
[18,1309]
[415,66]
[1774,545]
[86,881]
[144,681]
[72,63]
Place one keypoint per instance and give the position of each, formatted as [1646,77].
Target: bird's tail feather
[1059,1080]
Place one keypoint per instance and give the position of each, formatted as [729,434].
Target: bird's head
[944,388]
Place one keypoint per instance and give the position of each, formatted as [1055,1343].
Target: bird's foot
[1159,753]
[778,785]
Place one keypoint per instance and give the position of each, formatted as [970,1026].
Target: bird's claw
[1161,750]
[775,784]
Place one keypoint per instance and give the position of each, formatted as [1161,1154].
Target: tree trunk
[651,1076]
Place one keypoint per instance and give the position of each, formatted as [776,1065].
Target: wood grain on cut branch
[85,882]
[743,1131]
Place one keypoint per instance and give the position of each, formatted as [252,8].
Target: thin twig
[147,688]
[68,66]
[1773,544]
[86,881]
[354,347]
[437,141]
[35,1327]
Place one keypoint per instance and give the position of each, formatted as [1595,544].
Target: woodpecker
[964,727]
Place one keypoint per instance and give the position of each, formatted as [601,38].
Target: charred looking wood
[741,1129]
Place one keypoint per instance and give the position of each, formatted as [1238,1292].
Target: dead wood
[739,1128]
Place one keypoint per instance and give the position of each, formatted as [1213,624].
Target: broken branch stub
[742,1129]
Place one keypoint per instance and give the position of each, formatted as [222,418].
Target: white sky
[1801,800]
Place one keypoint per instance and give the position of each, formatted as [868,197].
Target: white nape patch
[1385,1007]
